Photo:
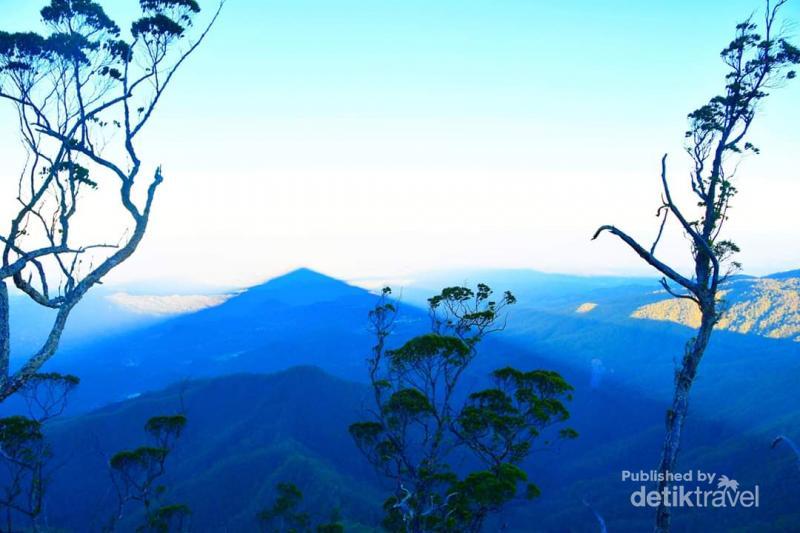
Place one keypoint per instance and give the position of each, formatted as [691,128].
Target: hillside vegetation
[768,307]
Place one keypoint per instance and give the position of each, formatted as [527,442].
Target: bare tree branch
[73,90]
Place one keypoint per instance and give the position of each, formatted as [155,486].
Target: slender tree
[25,454]
[756,62]
[135,475]
[425,420]
[285,516]
[83,92]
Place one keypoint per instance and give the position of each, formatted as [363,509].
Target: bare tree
[83,93]
[717,131]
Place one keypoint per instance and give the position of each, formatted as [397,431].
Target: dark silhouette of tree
[25,453]
[424,419]
[135,475]
[756,62]
[284,516]
[24,449]
[83,92]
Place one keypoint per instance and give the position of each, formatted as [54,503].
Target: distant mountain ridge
[786,274]
[302,317]
[764,305]
[305,317]
[768,306]
[253,431]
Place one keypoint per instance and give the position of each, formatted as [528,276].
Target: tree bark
[676,416]
[5,333]
[11,384]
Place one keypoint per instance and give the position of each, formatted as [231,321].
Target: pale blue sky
[383,138]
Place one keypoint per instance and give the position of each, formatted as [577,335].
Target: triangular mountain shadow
[302,317]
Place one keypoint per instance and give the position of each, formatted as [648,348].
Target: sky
[384,138]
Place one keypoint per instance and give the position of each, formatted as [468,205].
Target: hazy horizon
[423,279]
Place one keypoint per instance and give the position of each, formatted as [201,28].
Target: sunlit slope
[769,307]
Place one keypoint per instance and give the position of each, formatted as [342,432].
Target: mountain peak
[304,274]
[302,286]
[299,276]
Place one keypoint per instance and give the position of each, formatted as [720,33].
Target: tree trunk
[676,416]
[12,383]
[5,333]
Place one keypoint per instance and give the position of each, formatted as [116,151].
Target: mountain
[785,275]
[765,306]
[245,434]
[301,318]
[533,289]
[621,367]
[307,318]
[103,312]
[768,306]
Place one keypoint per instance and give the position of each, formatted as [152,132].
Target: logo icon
[726,483]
